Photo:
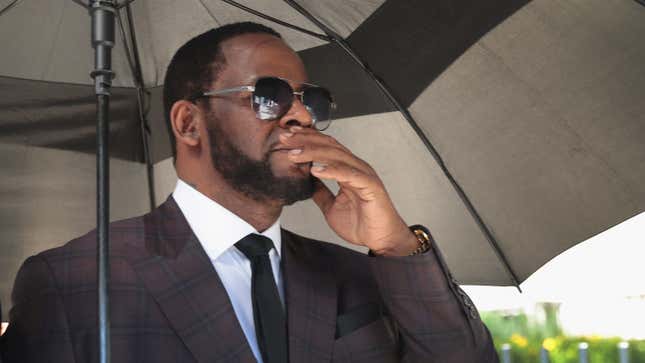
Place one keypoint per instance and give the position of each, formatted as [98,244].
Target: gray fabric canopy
[535,109]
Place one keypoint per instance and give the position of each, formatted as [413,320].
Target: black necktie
[268,314]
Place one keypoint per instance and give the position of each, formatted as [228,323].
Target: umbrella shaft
[103,219]
[103,13]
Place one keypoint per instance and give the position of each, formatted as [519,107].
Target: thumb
[323,197]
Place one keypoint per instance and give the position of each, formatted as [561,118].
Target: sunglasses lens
[318,102]
[272,98]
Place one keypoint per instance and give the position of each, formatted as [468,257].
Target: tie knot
[254,245]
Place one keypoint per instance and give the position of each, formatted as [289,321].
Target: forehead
[250,56]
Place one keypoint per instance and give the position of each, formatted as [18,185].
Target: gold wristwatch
[423,237]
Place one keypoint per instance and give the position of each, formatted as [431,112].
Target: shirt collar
[217,228]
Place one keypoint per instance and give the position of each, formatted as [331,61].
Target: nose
[297,115]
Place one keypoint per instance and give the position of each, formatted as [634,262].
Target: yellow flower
[549,344]
[519,340]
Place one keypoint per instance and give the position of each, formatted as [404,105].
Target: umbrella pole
[102,13]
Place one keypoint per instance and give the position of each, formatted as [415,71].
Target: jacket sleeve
[38,326]
[436,320]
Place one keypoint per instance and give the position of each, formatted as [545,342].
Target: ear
[185,119]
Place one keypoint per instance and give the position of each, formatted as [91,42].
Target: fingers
[315,136]
[323,197]
[364,186]
[312,146]
[335,162]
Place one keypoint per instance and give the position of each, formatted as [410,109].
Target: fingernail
[295,128]
[318,168]
[295,151]
[287,134]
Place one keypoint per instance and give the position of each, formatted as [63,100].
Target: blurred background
[587,302]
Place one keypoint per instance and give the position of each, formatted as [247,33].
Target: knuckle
[331,140]
[367,167]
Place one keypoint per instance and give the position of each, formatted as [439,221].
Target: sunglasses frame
[300,94]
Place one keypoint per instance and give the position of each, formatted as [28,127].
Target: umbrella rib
[126,47]
[210,13]
[326,38]
[9,6]
[79,2]
[135,67]
[340,41]
[50,53]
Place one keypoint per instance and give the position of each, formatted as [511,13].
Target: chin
[291,190]
[294,171]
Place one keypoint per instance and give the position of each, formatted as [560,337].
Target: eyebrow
[290,81]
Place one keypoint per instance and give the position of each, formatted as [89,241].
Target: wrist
[415,240]
[405,246]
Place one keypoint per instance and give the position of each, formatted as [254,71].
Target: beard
[254,178]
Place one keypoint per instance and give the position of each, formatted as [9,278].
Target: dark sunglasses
[273,97]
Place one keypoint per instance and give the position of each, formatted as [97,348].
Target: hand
[362,212]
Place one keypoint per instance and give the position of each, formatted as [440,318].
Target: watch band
[423,237]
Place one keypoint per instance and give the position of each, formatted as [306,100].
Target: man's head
[220,139]
[197,63]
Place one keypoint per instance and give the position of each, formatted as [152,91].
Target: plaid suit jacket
[169,305]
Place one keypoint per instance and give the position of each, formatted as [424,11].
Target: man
[210,276]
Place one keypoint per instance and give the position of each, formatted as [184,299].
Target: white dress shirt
[218,229]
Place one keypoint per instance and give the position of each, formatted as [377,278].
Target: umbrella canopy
[523,125]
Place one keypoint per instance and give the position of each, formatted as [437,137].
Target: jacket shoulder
[121,233]
[73,265]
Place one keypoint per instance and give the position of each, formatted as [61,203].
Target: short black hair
[197,63]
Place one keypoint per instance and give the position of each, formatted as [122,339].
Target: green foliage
[527,335]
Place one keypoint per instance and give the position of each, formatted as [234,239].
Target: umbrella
[513,129]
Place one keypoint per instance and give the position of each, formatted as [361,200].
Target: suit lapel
[311,301]
[177,272]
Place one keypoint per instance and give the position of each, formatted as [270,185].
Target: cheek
[244,130]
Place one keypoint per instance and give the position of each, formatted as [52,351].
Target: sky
[600,284]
